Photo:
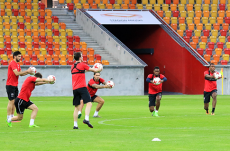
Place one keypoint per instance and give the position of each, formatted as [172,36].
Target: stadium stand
[204,24]
[28,27]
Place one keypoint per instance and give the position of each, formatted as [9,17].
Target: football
[98,66]
[157,81]
[34,70]
[110,83]
[51,77]
[217,75]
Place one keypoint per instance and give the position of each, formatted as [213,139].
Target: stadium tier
[204,24]
[28,27]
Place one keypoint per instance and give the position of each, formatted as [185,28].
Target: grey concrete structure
[226,80]
[128,80]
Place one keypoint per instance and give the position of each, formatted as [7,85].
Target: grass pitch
[126,124]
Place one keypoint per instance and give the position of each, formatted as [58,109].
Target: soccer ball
[33,70]
[98,66]
[51,77]
[157,81]
[111,84]
[217,75]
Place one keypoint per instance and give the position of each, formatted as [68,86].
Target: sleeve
[102,80]
[162,76]
[86,67]
[91,82]
[206,72]
[13,65]
[150,76]
[33,79]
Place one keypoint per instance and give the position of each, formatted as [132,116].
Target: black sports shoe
[75,127]
[87,122]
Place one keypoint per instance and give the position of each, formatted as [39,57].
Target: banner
[124,17]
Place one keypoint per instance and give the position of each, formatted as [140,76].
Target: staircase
[69,19]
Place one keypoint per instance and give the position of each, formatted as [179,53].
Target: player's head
[212,67]
[38,75]
[156,70]
[78,56]
[96,76]
[17,56]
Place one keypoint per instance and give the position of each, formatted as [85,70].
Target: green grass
[126,124]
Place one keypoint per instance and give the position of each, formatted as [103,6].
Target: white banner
[124,17]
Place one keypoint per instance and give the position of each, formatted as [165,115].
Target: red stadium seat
[2,51]
[222,6]
[187,39]
[8,51]
[208,51]
[69,44]
[70,50]
[69,38]
[224,62]
[220,45]
[175,13]
[40,62]
[55,19]
[56,62]
[35,44]
[189,33]
[26,62]
[227,51]
[69,62]
[223,32]
[4,62]
[200,51]
[77,50]
[206,32]
[21,44]
[76,38]
[211,45]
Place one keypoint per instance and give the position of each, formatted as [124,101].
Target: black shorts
[81,93]
[12,92]
[152,99]
[207,96]
[21,105]
[93,97]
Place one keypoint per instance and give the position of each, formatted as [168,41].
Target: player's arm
[209,76]
[40,81]
[22,73]
[94,70]
[96,86]
[149,80]
[164,79]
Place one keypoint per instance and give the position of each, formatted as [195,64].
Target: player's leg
[19,109]
[152,100]
[206,101]
[80,108]
[214,97]
[100,102]
[13,108]
[87,100]
[76,103]
[11,96]
[158,99]
[34,113]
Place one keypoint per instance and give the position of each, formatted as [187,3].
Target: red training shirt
[92,91]
[154,89]
[78,75]
[27,87]
[12,79]
[209,85]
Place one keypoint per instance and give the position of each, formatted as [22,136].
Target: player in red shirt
[14,71]
[23,102]
[155,91]
[210,88]
[79,88]
[92,87]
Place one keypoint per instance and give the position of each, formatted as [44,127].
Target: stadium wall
[184,71]
[128,81]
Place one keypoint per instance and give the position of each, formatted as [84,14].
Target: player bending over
[14,71]
[155,91]
[79,88]
[23,102]
[210,88]
[92,87]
